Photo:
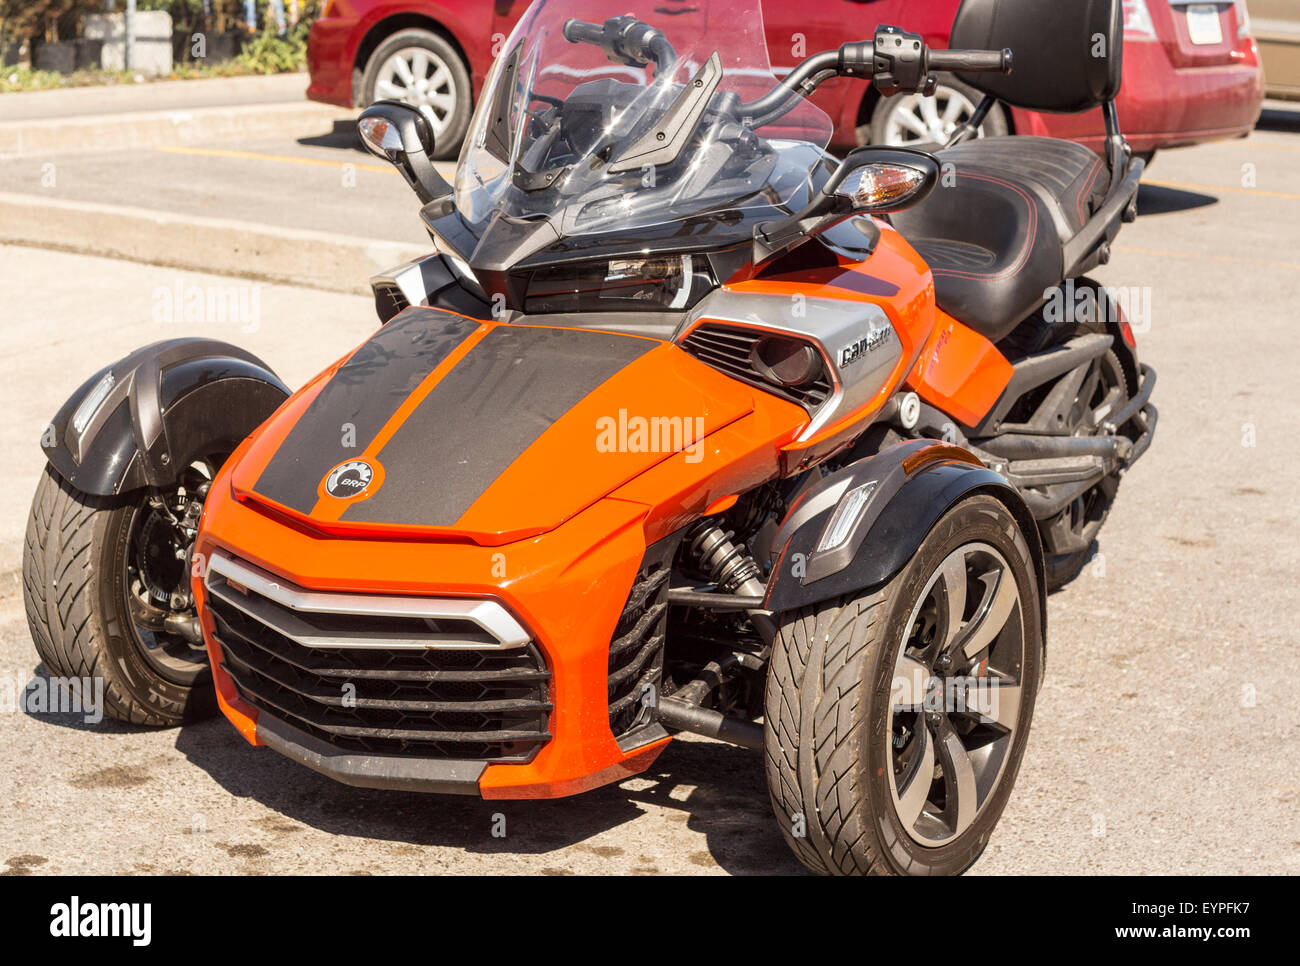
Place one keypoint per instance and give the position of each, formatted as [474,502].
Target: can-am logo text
[854,352]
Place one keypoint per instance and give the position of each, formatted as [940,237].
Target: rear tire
[834,712]
[75,588]
[1077,526]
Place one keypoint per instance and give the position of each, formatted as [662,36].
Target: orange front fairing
[557,537]
[577,442]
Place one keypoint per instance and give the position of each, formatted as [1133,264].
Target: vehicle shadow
[49,703]
[718,790]
[343,136]
[1279,119]
[1154,199]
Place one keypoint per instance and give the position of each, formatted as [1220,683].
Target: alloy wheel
[422,79]
[956,694]
[928,120]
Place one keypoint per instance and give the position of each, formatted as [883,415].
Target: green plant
[272,54]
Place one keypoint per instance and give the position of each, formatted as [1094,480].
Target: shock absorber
[726,563]
[729,566]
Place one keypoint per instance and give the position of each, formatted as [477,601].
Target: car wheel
[910,120]
[895,719]
[425,71]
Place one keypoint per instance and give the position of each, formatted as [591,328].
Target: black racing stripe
[482,415]
[364,393]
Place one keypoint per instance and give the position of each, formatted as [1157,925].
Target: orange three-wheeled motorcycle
[685,425]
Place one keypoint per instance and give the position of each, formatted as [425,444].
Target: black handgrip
[971,61]
[580,32]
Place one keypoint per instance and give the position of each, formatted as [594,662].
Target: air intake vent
[636,650]
[728,349]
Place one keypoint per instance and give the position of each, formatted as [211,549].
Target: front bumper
[567,587]
[331,49]
[391,772]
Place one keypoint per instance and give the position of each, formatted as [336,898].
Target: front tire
[424,70]
[868,771]
[95,572]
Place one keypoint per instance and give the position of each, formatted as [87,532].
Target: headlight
[656,283]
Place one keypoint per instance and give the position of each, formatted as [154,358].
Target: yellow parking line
[1260,146]
[1162,253]
[1218,187]
[287,159]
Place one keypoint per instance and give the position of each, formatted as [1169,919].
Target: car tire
[910,120]
[836,722]
[415,58]
[76,589]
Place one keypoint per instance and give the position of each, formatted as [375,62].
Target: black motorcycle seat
[993,232]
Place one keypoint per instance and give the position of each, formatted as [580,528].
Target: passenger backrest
[1068,53]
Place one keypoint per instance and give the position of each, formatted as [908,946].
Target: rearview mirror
[402,136]
[869,181]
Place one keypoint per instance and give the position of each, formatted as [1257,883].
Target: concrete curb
[315,259]
[119,132]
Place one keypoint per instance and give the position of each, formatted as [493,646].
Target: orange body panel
[895,278]
[567,585]
[960,371]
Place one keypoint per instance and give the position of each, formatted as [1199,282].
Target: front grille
[636,650]
[728,348]
[441,688]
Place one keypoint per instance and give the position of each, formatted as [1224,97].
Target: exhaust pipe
[683,716]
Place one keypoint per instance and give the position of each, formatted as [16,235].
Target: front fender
[915,484]
[133,423]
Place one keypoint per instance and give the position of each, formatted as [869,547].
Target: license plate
[1203,24]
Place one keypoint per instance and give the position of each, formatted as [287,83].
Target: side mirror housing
[869,181]
[401,135]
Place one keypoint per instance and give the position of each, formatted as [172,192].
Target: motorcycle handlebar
[580,32]
[970,61]
[624,39]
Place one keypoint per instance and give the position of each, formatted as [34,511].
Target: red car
[1192,70]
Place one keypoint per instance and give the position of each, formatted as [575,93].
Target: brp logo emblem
[349,479]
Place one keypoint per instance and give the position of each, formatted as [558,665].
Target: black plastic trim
[902,510]
[164,397]
[390,772]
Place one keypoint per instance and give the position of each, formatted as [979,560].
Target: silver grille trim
[285,608]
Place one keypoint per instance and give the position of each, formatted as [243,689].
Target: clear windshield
[646,128]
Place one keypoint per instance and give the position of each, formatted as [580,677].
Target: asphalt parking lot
[1165,736]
